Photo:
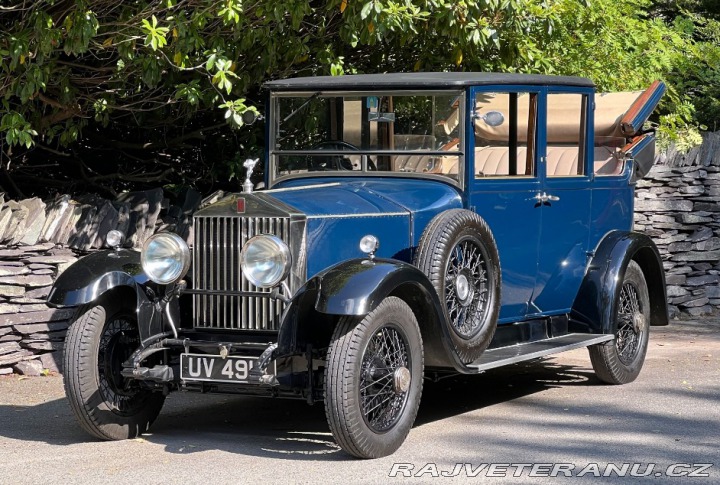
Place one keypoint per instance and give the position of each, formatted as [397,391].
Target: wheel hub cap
[401,380]
[463,289]
[638,322]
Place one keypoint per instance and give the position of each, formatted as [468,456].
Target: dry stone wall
[678,205]
[39,240]
[31,333]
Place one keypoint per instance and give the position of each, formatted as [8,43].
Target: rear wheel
[619,361]
[373,379]
[107,405]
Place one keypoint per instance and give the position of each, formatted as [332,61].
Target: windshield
[367,132]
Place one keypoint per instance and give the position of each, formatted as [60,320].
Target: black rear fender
[594,307]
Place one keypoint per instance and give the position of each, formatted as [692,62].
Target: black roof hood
[421,80]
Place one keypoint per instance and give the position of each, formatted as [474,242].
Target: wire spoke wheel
[619,361]
[630,324]
[466,287]
[117,342]
[385,369]
[374,379]
[106,404]
[458,253]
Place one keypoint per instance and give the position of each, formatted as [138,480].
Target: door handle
[544,197]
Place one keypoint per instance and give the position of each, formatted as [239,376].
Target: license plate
[203,367]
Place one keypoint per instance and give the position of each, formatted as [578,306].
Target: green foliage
[146,74]
[155,35]
[17,130]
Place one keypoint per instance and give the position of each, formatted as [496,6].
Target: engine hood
[340,212]
[358,197]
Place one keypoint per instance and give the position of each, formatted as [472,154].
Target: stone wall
[678,205]
[38,240]
[31,333]
[678,208]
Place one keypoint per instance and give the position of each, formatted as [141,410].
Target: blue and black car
[410,226]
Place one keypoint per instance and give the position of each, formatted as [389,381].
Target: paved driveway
[553,414]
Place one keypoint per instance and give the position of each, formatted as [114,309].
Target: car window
[505,134]
[414,132]
[609,149]
[566,128]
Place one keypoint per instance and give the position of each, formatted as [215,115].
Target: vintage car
[412,226]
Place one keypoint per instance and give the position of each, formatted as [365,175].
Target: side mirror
[493,118]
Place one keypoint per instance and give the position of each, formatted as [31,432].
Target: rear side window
[566,128]
[505,127]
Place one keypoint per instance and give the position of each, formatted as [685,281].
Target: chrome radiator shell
[220,231]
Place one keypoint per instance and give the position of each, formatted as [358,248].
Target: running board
[518,353]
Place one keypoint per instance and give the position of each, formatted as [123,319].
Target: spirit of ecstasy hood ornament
[249,165]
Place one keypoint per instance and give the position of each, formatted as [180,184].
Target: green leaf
[366,10]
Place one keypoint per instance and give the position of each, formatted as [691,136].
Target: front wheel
[106,405]
[619,361]
[374,379]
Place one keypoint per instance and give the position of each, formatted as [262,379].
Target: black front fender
[355,288]
[90,277]
[594,307]
[118,274]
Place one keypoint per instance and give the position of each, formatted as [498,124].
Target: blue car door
[565,195]
[502,183]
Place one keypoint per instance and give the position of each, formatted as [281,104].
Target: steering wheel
[334,162]
[331,162]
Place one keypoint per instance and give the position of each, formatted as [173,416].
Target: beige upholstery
[449,165]
[562,161]
[608,160]
[410,162]
[490,161]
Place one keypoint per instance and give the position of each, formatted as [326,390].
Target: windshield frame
[273,154]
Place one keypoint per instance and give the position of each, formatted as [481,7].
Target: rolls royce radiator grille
[216,266]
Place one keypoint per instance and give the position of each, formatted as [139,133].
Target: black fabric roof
[421,80]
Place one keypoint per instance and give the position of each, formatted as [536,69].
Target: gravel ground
[549,412]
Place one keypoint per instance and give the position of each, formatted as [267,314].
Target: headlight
[165,258]
[265,260]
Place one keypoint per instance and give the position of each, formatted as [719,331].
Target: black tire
[367,418]
[98,341]
[619,361]
[472,319]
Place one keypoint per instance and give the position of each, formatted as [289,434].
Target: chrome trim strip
[581,340]
[384,214]
[300,187]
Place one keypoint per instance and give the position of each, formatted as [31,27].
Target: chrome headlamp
[165,258]
[265,260]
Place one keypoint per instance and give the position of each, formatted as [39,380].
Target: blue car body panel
[341,211]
